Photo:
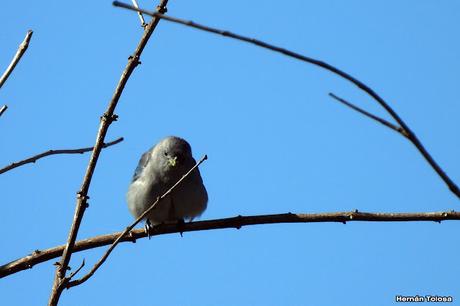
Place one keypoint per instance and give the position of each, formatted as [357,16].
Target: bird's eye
[166,153]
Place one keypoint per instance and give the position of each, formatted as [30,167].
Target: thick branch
[38,257]
[21,50]
[60,281]
[33,159]
[410,135]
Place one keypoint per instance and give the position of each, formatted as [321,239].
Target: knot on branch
[109,118]
[58,264]
[162,9]
[130,236]
[81,196]
[238,221]
[134,59]
[403,132]
[352,215]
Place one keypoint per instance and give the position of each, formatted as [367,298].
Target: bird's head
[177,153]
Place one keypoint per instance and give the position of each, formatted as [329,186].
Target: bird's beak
[172,161]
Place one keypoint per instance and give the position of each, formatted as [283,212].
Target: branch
[3,109]
[369,115]
[129,228]
[21,50]
[78,270]
[107,118]
[237,222]
[410,135]
[405,131]
[33,159]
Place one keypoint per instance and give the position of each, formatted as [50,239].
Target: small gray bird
[158,170]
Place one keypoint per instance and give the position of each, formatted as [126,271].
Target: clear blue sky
[276,143]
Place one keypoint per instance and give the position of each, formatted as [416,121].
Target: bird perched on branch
[158,170]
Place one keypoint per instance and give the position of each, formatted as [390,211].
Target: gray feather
[141,165]
[158,170]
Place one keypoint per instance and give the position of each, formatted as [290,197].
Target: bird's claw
[148,228]
[180,225]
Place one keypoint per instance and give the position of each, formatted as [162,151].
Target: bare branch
[410,135]
[33,159]
[129,228]
[3,109]
[367,114]
[38,257]
[82,196]
[21,50]
[78,270]
[405,131]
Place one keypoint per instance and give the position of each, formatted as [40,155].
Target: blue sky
[276,143]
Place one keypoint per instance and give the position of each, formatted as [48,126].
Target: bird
[158,170]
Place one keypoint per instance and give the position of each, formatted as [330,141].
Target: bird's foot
[180,226]
[148,228]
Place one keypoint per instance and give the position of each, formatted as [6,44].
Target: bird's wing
[141,165]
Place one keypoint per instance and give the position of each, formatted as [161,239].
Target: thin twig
[107,118]
[78,270]
[21,50]
[367,114]
[141,17]
[129,228]
[407,133]
[3,109]
[33,159]
[410,135]
[38,256]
